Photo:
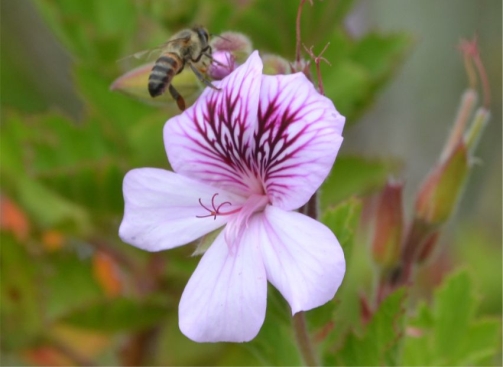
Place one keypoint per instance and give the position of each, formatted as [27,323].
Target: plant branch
[303,340]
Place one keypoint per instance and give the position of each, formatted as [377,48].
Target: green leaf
[343,221]
[448,333]
[259,17]
[379,345]
[114,109]
[343,312]
[353,175]
[359,69]
[49,208]
[115,17]
[117,315]
[275,344]
[380,54]
[483,343]
[21,312]
[347,85]
[70,282]
[453,310]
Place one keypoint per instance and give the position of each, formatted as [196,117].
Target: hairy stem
[303,340]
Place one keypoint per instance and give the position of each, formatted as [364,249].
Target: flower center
[216,210]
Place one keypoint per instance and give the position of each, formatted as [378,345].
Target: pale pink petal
[225,299]
[161,209]
[298,136]
[209,141]
[302,257]
[240,221]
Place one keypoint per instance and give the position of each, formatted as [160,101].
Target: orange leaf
[107,273]
[52,240]
[13,219]
[46,356]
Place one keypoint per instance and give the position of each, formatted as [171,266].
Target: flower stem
[304,342]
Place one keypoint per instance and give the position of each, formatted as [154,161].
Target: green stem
[303,340]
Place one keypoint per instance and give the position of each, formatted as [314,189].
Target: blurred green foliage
[62,177]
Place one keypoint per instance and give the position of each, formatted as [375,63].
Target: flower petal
[208,141]
[302,257]
[297,138]
[161,209]
[225,299]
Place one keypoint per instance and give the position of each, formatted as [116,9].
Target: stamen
[216,209]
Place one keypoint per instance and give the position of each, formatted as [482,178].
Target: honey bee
[188,47]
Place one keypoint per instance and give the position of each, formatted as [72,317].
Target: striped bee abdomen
[165,68]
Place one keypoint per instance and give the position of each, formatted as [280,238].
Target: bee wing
[146,55]
[134,83]
[149,54]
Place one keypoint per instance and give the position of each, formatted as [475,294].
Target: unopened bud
[388,226]
[474,132]
[442,188]
[274,65]
[222,65]
[230,49]
[234,42]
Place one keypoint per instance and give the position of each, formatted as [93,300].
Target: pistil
[215,211]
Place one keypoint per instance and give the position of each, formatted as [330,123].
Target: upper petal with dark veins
[297,137]
[211,139]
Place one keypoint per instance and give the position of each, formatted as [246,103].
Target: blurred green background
[73,293]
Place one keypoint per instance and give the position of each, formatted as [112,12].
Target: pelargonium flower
[244,157]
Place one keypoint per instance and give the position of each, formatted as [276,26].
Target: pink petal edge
[161,209]
[302,257]
[225,298]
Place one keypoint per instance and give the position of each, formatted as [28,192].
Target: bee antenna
[216,35]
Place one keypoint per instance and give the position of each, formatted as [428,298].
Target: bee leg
[177,97]
[215,61]
[201,77]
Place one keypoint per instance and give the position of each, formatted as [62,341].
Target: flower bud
[274,65]
[223,64]
[440,191]
[388,226]
[234,42]
[230,49]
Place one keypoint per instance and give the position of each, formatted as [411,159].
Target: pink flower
[222,65]
[245,157]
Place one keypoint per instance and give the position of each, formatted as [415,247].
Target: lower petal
[162,208]
[225,299]
[302,257]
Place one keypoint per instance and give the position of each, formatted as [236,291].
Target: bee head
[203,34]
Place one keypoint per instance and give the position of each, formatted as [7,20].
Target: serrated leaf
[482,343]
[447,334]
[275,344]
[342,313]
[379,344]
[453,310]
[117,315]
[343,221]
